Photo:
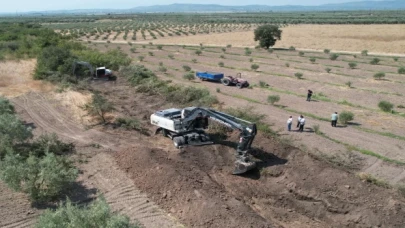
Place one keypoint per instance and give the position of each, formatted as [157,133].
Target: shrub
[273,99]
[263,84]
[150,53]
[312,60]
[328,70]
[218,90]
[298,75]
[395,59]
[229,46]
[198,52]
[375,61]
[42,178]
[162,69]
[400,106]
[129,43]
[222,56]
[128,123]
[99,106]
[5,106]
[251,60]
[97,214]
[254,67]
[221,64]
[133,50]
[349,84]
[170,56]
[352,65]
[291,48]
[401,70]
[326,51]
[248,52]
[345,117]
[379,75]
[150,43]
[141,58]
[385,106]
[160,63]
[364,53]
[316,129]
[194,60]
[160,47]
[333,56]
[186,68]
[287,64]
[223,49]
[189,76]
[270,50]
[301,53]
[355,56]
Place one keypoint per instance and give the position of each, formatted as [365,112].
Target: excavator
[186,128]
[101,72]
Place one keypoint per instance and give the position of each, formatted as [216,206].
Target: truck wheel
[239,85]
[178,141]
[164,132]
[226,82]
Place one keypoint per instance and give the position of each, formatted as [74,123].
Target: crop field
[351,175]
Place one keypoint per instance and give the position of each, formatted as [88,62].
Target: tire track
[122,195]
[100,172]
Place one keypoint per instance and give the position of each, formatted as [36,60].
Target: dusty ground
[364,96]
[144,177]
[16,78]
[355,38]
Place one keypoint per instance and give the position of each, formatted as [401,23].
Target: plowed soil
[145,177]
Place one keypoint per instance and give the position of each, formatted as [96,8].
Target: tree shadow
[77,193]
[281,106]
[353,124]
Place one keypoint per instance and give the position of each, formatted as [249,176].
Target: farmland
[352,175]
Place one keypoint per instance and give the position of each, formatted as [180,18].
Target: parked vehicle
[237,81]
[210,76]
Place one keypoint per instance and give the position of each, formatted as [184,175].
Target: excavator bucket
[243,167]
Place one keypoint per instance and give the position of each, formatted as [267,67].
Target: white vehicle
[186,127]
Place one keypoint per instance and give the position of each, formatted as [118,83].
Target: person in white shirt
[289,123]
[299,119]
[302,124]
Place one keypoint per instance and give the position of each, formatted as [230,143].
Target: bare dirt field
[303,179]
[375,38]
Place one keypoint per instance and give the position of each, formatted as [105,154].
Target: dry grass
[16,78]
[75,101]
[375,38]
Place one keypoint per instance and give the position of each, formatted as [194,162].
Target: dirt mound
[290,188]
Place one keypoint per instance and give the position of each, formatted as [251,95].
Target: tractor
[237,81]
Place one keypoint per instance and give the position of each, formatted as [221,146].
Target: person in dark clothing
[309,95]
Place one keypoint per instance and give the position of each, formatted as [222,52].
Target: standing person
[309,95]
[298,121]
[302,124]
[289,123]
[334,119]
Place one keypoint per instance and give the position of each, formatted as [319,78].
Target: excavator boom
[185,127]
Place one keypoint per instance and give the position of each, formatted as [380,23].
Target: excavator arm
[86,64]
[247,130]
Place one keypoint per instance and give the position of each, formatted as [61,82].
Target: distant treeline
[316,17]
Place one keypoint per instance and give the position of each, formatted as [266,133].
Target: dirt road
[99,172]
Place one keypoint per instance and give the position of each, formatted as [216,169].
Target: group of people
[300,123]
[301,119]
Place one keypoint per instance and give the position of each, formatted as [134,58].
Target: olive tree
[99,106]
[267,35]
